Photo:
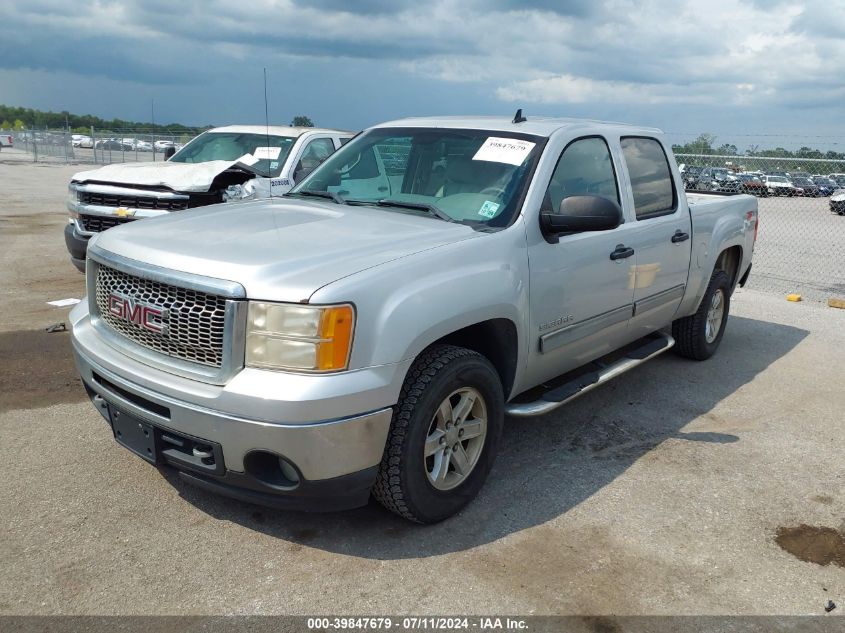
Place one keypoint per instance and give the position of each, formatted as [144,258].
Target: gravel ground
[664,492]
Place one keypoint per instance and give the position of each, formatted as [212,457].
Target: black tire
[690,333]
[402,485]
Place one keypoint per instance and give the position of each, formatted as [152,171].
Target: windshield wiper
[422,206]
[328,195]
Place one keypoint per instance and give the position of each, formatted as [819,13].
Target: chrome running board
[559,396]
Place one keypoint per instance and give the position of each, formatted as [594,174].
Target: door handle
[621,252]
[679,236]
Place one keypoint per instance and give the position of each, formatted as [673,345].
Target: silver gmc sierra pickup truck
[368,333]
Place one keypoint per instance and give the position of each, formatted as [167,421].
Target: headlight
[239,192]
[73,199]
[299,338]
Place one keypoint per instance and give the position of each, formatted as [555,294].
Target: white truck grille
[195,321]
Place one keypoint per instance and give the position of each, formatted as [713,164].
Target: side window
[584,168]
[317,150]
[651,180]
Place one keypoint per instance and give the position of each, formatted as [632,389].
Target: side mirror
[582,213]
[169,152]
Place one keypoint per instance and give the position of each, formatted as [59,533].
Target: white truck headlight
[73,199]
[299,338]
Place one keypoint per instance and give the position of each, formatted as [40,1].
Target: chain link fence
[801,237]
[96,147]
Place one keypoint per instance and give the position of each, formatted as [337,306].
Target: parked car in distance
[162,145]
[6,140]
[224,164]
[837,202]
[113,144]
[778,186]
[806,187]
[826,185]
[717,179]
[138,145]
[750,183]
[367,333]
[690,176]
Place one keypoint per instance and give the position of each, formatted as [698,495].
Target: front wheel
[698,336]
[443,437]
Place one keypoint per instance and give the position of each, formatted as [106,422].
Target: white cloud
[667,53]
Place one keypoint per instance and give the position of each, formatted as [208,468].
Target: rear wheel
[444,435]
[698,336]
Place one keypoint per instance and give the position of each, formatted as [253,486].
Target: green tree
[5,125]
[806,152]
[19,125]
[778,152]
[302,121]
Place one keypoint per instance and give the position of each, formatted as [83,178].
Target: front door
[581,298]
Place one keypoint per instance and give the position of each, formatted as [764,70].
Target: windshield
[777,179]
[272,150]
[824,181]
[459,175]
[802,181]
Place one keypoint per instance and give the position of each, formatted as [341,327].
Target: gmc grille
[195,324]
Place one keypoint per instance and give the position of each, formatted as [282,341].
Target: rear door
[660,236]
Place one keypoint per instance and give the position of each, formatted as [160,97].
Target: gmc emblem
[144,315]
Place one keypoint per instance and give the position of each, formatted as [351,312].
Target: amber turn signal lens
[336,334]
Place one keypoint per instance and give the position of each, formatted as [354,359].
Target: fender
[405,305]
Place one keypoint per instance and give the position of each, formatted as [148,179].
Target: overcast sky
[735,69]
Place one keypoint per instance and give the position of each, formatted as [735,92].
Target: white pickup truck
[236,162]
[369,332]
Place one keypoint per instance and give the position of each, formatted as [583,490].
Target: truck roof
[538,126]
[278,130]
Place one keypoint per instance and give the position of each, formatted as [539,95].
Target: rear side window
[651,180]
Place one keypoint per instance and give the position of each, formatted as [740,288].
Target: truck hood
[279,249]
[184,177]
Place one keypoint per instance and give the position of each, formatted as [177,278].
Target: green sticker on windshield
[488,209]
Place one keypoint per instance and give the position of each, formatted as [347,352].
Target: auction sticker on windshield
[504,150]
[267,153]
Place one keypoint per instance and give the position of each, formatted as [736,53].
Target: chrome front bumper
[285,415]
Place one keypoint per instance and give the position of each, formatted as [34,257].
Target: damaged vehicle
[237,162]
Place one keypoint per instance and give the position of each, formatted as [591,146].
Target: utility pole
[153,117]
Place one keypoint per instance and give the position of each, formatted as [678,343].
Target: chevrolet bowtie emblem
[123,212]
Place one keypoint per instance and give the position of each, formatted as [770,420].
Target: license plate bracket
[135,434]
